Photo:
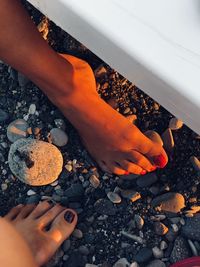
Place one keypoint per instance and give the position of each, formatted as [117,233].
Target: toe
[116,168]
[48,217]
[40,209]
[131,167]
[25,211]
[12,214]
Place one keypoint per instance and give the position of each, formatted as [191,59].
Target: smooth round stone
[157,253]
[127,110]
[144,255]
[3,116]
[146,180]
[139,221]
[180,250]
[114,197]
[121,263]
[32,109]
[168,140]
[156,263]
[160,228]
[17,129]
[134,264]
[191,229]
[94,181]
[175,124]
[163,245]
[100,71]
[59,137]
[131,195]
[195,163]
[4,187]
[154,136]
[84,250]
[77,234]
[169,202]
[66,245]
[35,162]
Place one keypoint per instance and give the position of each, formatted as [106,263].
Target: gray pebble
[66,245]
[3,116]
[160,228]
[105,207]
[17,129]
[139,221]
[122,263]
[30,192]
[84,250]
[131,195]
[94,181]
[58,137]
[147,180]
[180,250]
[114,197]
[144,255]
[77,234]
[163,245]
[193,248]
[157,253]
[156,263]
[191,229]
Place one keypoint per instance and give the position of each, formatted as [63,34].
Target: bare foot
[117,145]
[31,222]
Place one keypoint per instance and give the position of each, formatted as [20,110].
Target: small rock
[157,253]
[191,229]
[34,199]
[90,265]
[113,103]
[66,245]
[122,263]
[100,71]
[35,162]
[77,234]
[160,228]
[154,136]
[94,181]
[114,197]
[163,245]
[60,123]
[169,202]
[180,250]
[74,192]
[127,110]
[195,163]
[58,137]
[30,192]
[105,207]
[84,250]
[144,255]
[168,140]
[4,187]
[171,235]
[17,129]
[147,180]
[193,248]
[32,109]
[3,116]
[175,124]
[134,264]
[68,167]
[156,263]
[139,221]
[131,195]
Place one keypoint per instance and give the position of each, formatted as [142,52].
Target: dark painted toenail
[143,172]
[69,216]
[50,202]
[160,161]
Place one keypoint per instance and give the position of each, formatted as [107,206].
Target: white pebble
[54,183]
[134,264]
[30,192]
[158,253]
[32,109]
[68,167]
[4,187]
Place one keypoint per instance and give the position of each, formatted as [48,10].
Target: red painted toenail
[160,161]
[143,172]
[126,173]
[153,168]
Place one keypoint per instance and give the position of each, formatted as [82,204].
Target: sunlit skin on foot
[114,142]
[44,227]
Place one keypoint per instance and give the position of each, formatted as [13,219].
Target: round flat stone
[131,195]
[144,255]
[58,137]
[175,124]
[114,197]
[17,129]
[35,162]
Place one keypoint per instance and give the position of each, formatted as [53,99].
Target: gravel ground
[150,221]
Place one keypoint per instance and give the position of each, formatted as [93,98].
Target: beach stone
[94,181]
[100,71]
[105,207]
[180,250]
[122,263]
[169,202]
[35,162]
[3,115]
[4,187]
[60,123]
[154,136]
[157,253]
[134,264]
[147,180]
[191,229]
[130,194]
[84,250]
[34,199]
[66,245]
[195,163]
[163,245]
[77,234]
[156,263]
[114,197]
[139,221]
[74,192]
[175,124]
[144,255]
[17,129]
[160,228]
[168,140]
[32,109]
[58,137]
[30,192]
[90,265]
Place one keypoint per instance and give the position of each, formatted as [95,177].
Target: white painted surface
[155,44]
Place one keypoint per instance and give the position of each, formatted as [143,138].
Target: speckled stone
[191,229]
[35,162]
[58,137]
[180,250]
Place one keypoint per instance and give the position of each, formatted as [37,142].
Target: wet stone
[157,252]
[58,137]
[144,255]
[169,202]
[180,250]
[191,229]
[77,234]
[147,180]
[74,192]
[175,124]
[131,195]
[105,207]
[17,129]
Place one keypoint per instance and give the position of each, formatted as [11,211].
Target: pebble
[66,245]
[168,140]
[35,162]
[3,116]
[170,235]
[169,202]
[74,192]
[94,181]
[30,192]
[32,109]
[68,167]
[60,123]
[147,180]
[154,136]
[127,110]
[175,124]
[193,248]
[139,221]
[17,129]
[191,229]
[90,265]
[100,71]
[156,263]
[144,255]
[58,137]
[160,228]
[180,250]
[84,250]
[134,264]
[114,197]
[105,207]
[195,163]
[163,245]
[113,103]
[130,194]
[33,199]
[157,253]
[54,183]
[122,263]
[135,238]
[78,234]
[4,187]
